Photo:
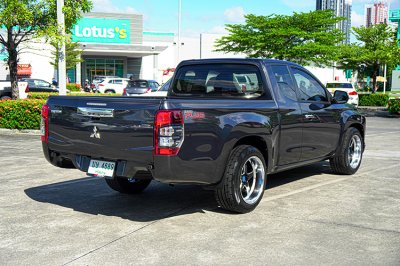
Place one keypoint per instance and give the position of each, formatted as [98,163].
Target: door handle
[309,116]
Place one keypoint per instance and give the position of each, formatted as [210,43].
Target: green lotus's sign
[3,52]
[102,30]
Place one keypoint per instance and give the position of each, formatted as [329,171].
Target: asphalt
[308,216]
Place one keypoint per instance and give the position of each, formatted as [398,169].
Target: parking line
[383,133]
[324,184]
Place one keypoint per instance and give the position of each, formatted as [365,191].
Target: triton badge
[96,133]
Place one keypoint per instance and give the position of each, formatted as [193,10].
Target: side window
[118,81]
[309,88]
[284,81]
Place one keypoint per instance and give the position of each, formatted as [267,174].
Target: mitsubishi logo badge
[96,133]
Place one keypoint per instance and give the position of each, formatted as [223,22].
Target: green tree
[23,20]
[377,45]
[304,38]
[72,53]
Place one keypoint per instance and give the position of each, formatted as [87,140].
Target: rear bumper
[124,168]
[166,169]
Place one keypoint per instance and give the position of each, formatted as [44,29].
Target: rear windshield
[138,84]
[218,80]
[339,85]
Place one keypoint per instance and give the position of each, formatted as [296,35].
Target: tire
[348,159]
[109,91]
[128,186]
[5,98]
[241,192]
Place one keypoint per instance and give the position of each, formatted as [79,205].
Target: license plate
[101,168]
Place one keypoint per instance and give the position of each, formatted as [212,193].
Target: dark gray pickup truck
[225,124]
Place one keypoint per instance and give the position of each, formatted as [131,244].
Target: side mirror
[341,97]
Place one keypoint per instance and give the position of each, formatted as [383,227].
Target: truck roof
[234,60]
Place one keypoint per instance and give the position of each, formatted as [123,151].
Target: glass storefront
[104,67]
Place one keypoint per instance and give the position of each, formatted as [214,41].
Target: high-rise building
[341,8]
[376,13]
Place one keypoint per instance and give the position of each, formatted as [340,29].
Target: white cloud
[108,7]
[356,19]
[218,30]
[234,14]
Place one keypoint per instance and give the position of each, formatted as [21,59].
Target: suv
[112,85]
[346,87]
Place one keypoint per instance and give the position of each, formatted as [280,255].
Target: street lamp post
[179,29]
[62,79]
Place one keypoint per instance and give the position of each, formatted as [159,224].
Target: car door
[290,141]
[321,127]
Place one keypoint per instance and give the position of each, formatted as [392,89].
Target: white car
[346,87]
[113,85]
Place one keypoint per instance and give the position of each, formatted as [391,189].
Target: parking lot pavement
[52,216]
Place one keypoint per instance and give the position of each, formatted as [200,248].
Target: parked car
[220,137]
[112,85]
[140,86]
[39,85]
[161,92]
[346,87]
[5,89]
[97,79]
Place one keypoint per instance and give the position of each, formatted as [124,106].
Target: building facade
[341,8]
[377,13]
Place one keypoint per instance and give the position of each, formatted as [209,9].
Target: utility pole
[62,79]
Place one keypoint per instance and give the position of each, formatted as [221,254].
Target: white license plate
[101,168]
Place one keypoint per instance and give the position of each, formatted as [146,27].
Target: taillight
[27,89]
[44,124]
[101,85]
[353,93]
[124,91]
[168,132]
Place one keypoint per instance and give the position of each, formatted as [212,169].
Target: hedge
[45,95]
[394,106]
[373,99]
[73,87]
[21,114]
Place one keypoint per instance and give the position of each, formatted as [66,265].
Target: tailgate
[109,128]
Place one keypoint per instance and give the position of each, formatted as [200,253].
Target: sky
[210,16]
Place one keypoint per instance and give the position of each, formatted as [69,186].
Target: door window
[309,88]
[284,81]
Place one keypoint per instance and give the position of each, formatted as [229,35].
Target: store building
[116,45]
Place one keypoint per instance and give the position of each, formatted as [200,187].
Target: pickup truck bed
[210,130]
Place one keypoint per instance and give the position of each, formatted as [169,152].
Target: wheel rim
[252,178]
[354,151]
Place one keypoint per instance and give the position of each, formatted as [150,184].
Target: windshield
[138,84]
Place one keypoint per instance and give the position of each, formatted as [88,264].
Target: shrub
[41,95]
[45,95]
[394,106]
[21,114]
[373,99]
[73,87]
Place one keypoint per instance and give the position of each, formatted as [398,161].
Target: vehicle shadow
[159,201]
